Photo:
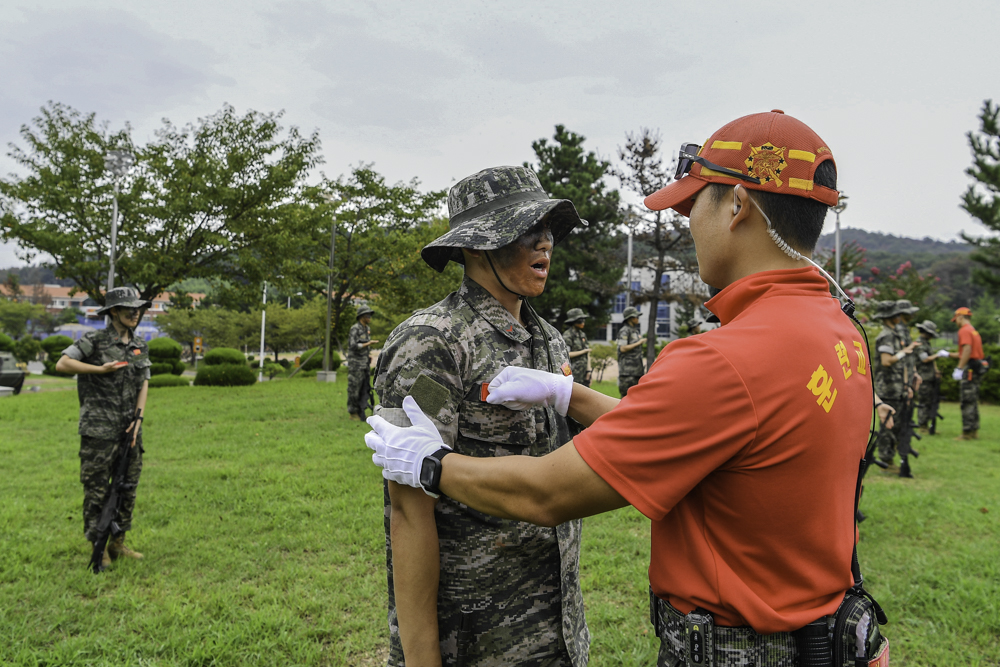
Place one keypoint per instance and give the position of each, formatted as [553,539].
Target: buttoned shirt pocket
[493,430]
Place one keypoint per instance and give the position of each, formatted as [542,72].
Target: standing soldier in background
[969,372]
[890,376]
[359,364]
[904,313]
[579,348]
[927,371]
[630,367]
[112,369]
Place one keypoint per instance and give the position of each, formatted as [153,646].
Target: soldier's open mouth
[541,268]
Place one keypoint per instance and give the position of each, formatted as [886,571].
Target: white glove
[957,374]
[943,353]
[519,388]
[401,451]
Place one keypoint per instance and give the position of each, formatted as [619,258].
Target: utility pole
[263,317]
[327,375]
[628,291]
[838,209]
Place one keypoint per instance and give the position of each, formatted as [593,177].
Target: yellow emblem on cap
[766,163]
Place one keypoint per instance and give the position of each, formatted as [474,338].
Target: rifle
[108,526]
[934,406]
[906,434]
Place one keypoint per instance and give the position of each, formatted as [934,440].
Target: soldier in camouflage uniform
[904,313]
[890,375]
[579,348]
[467,588]
[359,364]
[630,366]
[112,369]
[927,371]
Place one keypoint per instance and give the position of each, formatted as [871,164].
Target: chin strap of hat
[520,297]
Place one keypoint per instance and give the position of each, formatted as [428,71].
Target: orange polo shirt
[967,335]
[742,446]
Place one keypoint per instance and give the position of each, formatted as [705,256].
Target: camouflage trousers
[924,402]
[626,382]
[734,647]
[969,395]
[887,439]
[358,389]
[97,459]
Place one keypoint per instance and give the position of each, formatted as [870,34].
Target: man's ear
[741,207]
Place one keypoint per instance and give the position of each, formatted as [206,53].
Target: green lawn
[260,515]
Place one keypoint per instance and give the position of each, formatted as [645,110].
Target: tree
[15,316]
[379,232]
[666,233]
[586,267]
[216,198]
[982,198]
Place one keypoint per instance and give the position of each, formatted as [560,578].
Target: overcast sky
[438,90]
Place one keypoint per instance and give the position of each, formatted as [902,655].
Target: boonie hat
[928,327]
[362,311]
[904,307]
[575,315]
[961,311]
[492,208]
[771,152]
[885,309]
[127,297]
[630,312]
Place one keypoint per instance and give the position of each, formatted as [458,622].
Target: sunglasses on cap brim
[688,156]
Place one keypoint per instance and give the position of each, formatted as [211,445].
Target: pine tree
[982,198]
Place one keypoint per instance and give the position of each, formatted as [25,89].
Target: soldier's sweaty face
[524,263]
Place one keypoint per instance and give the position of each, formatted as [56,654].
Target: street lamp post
[838,209]
[326,375]
[263,318]
[118,163]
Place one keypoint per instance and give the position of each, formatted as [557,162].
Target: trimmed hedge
[160,368]
[164,350]
[168,381]
[316,363]
[6,343]
[219,356]
[225,375]
[53,346]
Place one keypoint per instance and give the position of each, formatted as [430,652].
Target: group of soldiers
[907,378]
[629,342]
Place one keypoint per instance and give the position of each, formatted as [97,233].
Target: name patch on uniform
[136,351]
[565,368]
[430,395]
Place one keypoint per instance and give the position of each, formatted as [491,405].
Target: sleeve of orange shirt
[689,416]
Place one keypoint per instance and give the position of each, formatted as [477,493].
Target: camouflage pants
[969,394]
[924,403]
[887,438]
[626,382]
[97,459]
[358,389]
[734,647]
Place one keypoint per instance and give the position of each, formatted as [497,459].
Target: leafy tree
[380,229]
[666,233]
[903,283]
[15,316]
[26,349]
[215,198]
[586,267]
[982,198]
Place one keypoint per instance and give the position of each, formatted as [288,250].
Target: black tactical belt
[732,646]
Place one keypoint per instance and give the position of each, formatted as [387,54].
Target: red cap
[961,311]
[783,152]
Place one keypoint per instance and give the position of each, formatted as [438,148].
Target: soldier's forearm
[586,405]
[140,404]
[574,355]
[416,569]
[964,356]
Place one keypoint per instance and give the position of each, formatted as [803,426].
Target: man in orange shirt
[742,444]
[969,372]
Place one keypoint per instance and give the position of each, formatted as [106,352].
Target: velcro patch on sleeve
[566,370]
[430,395]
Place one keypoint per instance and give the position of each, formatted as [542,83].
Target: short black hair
[799,221]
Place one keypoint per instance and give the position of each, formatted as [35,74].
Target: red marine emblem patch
[766,163]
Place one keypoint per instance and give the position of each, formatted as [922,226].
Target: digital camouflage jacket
[889,380]
[108,400]
[576,340]
[629,363]
[512,587]
[357,356]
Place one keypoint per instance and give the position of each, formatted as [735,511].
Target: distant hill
[877,242]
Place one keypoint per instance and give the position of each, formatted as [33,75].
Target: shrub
[601,356]
[168,381]
[219,356]
[164,350]
[250,358]
[271,369]
[225,375]
[285,363]
[161,368]
[6,343]
[179,367]
[316,363]
[27,348]
[54,345]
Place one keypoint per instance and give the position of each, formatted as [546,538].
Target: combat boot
[974,435]
[353,416]
[117,549]
[105,558]
[904,470]
[966,435]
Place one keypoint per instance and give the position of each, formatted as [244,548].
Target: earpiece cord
[531,311]
[490,261]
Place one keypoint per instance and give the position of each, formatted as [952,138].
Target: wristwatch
[430,471]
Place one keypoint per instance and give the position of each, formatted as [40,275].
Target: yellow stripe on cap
[728,145]
[801,155]
[705,171]
[800,184]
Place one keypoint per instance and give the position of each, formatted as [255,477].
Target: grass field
[260,515]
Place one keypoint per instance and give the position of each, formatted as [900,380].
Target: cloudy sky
[436,89]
